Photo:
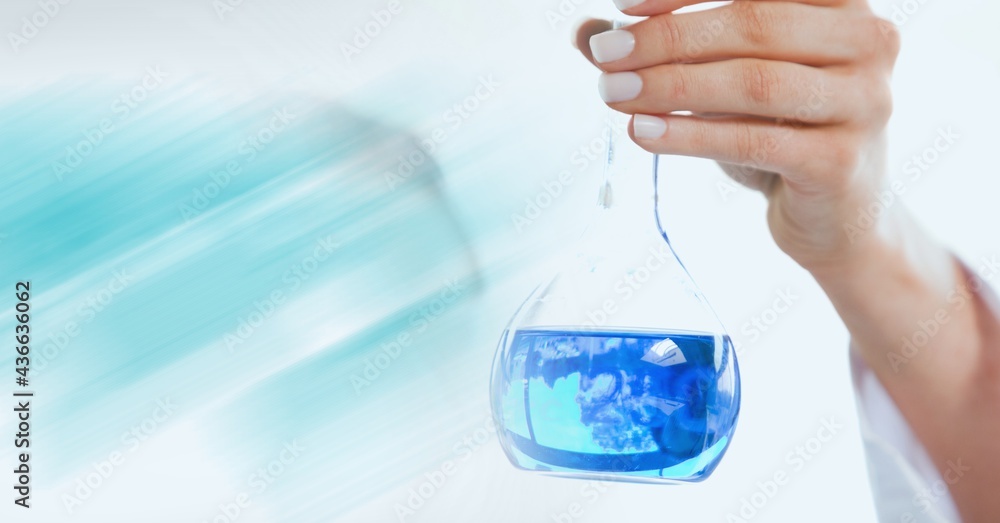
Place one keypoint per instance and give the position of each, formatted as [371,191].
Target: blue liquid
[631,405]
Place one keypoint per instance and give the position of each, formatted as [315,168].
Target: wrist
[894,254]
[867,227]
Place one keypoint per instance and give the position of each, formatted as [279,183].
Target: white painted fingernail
[612,45]
[647,127]
[627,4]
[619,87]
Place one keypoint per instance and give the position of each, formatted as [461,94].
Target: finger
[587,29]
[763,88]
[655,7]
[773,30]
[794,152]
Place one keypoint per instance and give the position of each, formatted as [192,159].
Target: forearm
[916,320]
[895,285]
[825,67]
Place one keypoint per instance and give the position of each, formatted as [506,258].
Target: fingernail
[647,127]
[612,45]
[619,87]
[627,4]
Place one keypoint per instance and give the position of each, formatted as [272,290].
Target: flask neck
[628,195]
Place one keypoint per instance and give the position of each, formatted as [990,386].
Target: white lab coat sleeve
[905,483]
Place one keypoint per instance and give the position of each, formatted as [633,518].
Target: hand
[790,97]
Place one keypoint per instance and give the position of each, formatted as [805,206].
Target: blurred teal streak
[194,280]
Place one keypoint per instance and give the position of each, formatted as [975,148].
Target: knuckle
[840,157]
[872,93]
[747,143]
[888,39]
[755,23]
[669,31]
[679,84]
[760,81]
[880,39]
[881,102]
[703,139]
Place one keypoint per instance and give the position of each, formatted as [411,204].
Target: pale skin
[792,99]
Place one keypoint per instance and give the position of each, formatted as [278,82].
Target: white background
[795,375]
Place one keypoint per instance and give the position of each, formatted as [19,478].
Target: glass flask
[617,368]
